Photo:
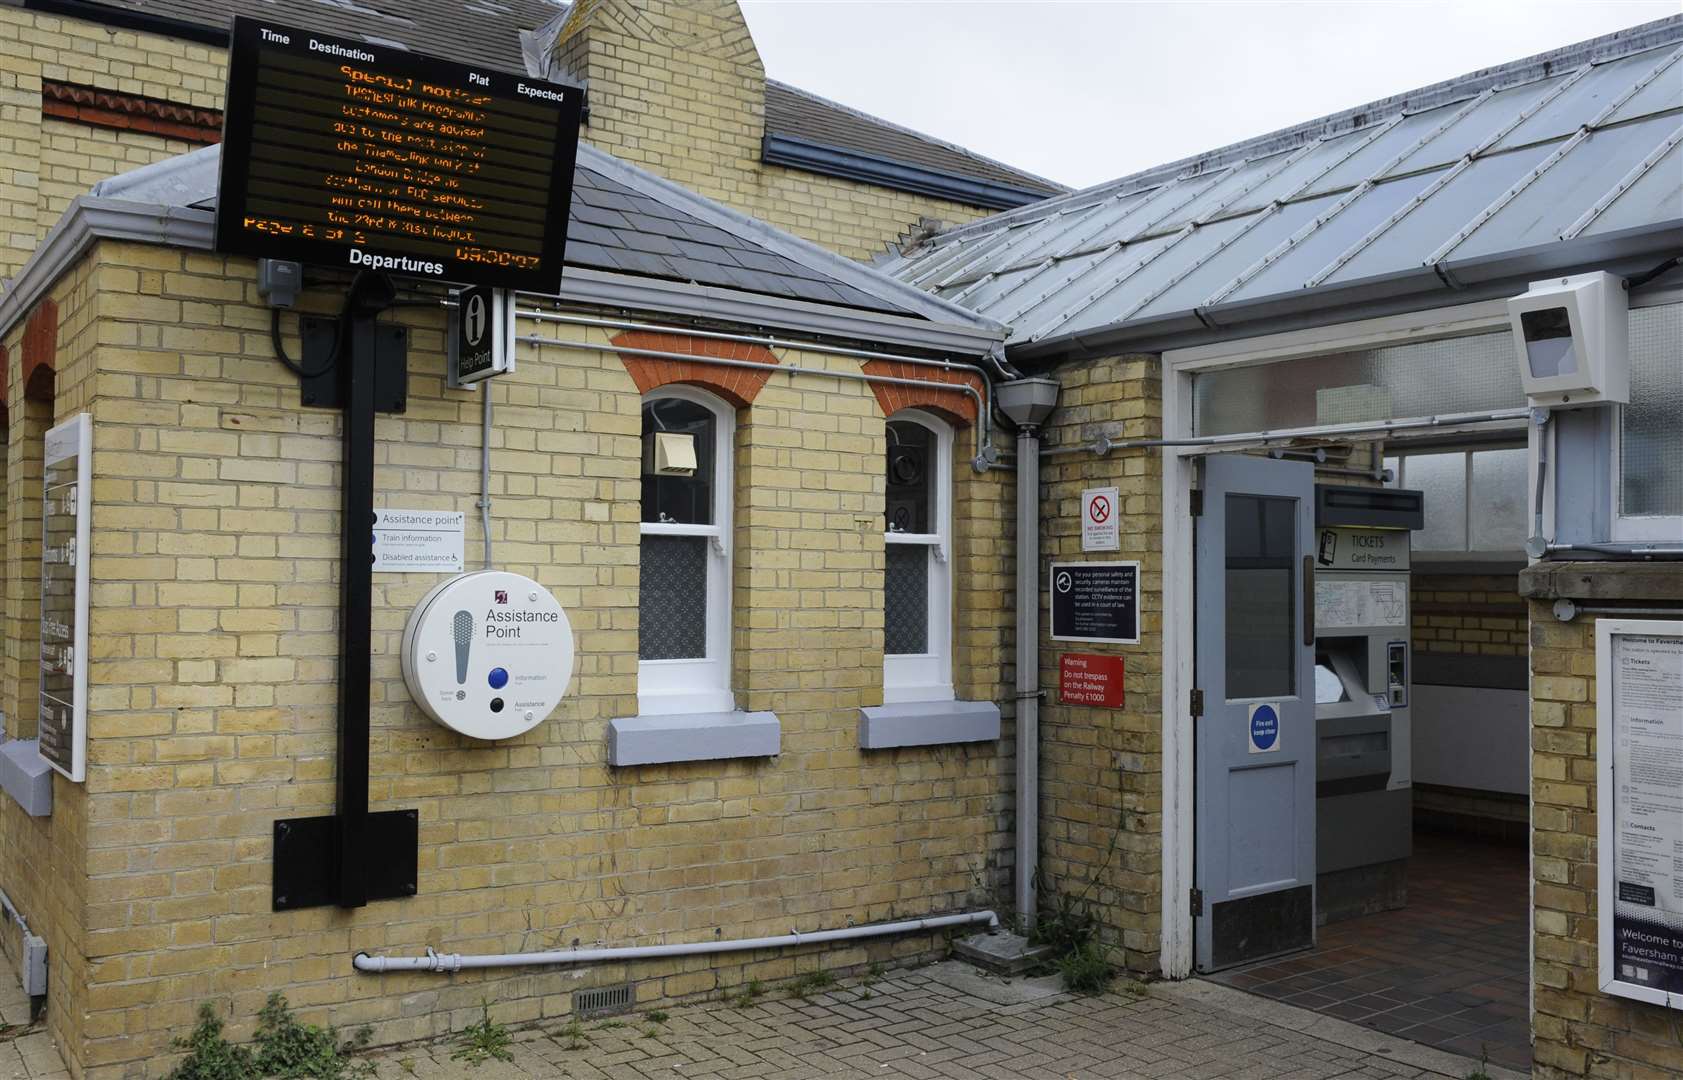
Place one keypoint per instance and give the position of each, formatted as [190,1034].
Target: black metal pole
[369,295]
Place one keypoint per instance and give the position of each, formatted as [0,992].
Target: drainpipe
[1028,402]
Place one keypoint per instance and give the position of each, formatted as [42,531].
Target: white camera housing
[1572,337]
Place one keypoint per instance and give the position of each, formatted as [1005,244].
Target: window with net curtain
[917,594]
[684,600]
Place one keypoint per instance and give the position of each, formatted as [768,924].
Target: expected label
[427,541]
[1096,601]
[1101,509]
[1090,679]
[1362,549]
[1647,676]
[1264,728]
[1352,604]
[364,156]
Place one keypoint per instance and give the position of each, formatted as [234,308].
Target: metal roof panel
[1657,195]
[1486,119]
[1600,88]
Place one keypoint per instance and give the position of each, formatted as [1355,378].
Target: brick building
[865,727]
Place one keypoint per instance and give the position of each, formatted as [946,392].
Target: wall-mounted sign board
[418,541]
[66,488]
[344,153]
[1101,518]
[1639,793]
[481,336]
[1091,679]
[1096,601]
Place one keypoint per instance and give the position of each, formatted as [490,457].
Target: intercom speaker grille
[602,1001]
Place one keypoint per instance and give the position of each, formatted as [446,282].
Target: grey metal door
[1255,742]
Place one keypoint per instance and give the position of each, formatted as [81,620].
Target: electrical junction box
[668,453]
[488,654]
[1572,335]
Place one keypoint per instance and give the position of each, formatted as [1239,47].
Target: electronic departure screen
[368,157]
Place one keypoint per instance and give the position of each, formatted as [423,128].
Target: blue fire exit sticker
[1264,728]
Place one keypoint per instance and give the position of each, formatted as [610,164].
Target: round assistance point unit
[488,654]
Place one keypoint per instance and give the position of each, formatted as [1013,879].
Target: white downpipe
[485,469]
[447,962]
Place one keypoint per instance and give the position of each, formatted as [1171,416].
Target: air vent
[602,1001]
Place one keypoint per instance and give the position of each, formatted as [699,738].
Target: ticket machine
[1364,806]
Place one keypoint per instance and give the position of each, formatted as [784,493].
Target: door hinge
[1197,502]
[1197,899]
[1196,704]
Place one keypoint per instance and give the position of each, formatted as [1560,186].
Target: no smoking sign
[1099,519]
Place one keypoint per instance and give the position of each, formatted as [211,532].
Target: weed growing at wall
[284,1049]
[483,1040]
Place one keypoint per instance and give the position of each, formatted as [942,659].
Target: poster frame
[1606,630]
[77,432]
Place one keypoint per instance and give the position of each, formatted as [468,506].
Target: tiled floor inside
[1449,970]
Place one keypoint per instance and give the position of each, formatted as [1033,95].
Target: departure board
[369,157]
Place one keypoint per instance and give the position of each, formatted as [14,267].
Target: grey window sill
[653,740]
[927,723]
[26,776]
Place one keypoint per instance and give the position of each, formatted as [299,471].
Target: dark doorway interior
[1449,970]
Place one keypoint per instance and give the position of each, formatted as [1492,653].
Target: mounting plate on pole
[323,349]
[306,859]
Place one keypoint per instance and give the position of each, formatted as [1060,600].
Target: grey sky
[1086,92]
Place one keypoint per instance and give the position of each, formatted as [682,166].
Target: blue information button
[498,678]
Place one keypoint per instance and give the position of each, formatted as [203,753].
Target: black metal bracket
[353,856]
[321,341]
[307,859]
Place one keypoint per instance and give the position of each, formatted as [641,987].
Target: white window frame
[928,676]
[1424,557]
[701,685]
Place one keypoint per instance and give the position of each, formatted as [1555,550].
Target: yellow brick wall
[1102,769]
[1472,614]
[677,87]
[45,163]
[213,694]
[1580,1032]
[43,861]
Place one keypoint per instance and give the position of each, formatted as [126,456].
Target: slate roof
[471,31]
[1565,161]
[626,220]
[489,32]
[797,113]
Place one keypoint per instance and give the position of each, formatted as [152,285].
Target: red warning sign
[1090,679]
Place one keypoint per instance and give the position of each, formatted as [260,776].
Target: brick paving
[914,1025]
[1449,970]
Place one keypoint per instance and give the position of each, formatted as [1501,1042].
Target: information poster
[1640,706]
[1348,605]
[64,595]
[1096,601]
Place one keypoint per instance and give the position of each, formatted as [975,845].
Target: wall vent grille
[602,1001]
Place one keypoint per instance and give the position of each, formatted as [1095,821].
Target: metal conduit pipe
[485,469]
[980,463]
[1663,550]
[447,962]
[777,343]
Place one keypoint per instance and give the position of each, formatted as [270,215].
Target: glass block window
[673,601]
[1650,478]
[906,600]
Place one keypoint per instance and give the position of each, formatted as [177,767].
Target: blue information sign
[1265,728]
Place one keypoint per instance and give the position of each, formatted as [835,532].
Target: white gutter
[448,962]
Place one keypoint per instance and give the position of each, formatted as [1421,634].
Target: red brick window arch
[738,386]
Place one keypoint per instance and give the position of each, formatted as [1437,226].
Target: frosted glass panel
[1443,479]
[1651,446]
[1450,375]
[673,603]
[1499,500]
[906,600]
